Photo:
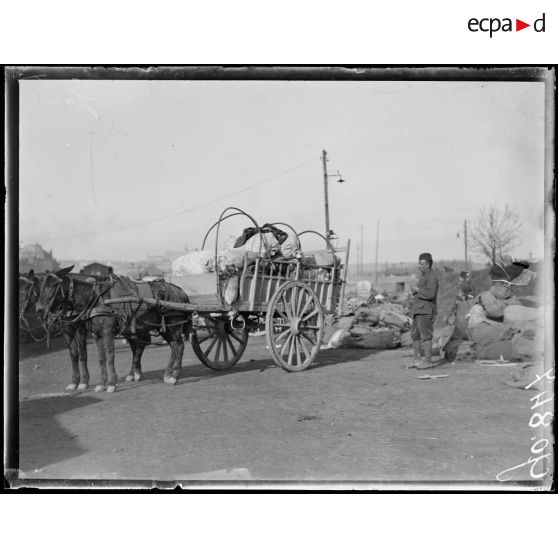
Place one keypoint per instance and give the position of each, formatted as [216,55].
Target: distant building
[151,271]
[34,257]
[97,270]
[394,284]
[163,261]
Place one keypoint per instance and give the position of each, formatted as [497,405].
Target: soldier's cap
[426,257]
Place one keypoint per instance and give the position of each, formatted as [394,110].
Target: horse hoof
[71,387]
[100,387]
[129,378]
[111,389]
[83,386]
[172,380]
[137,377]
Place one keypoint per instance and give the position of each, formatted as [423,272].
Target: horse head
[29,288]
[54,291]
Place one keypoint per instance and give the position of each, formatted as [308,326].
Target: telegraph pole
[377,245]
[466,255]
[326,202]
[358,260]
[362,248]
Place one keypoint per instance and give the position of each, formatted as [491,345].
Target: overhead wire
[177,213]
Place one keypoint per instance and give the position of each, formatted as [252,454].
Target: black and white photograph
[280,277]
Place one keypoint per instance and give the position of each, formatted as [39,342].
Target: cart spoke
[235,336]
[218,350]
[231,344]
[311,327]
[295,345]
[306,306]
[300,352]
[293,301]
[204,339]
[225,351]
[300,300]
[281,315]
[282,335]
[312,314]
[286,344]
[291,352]
[208,350]
[312,341]
[287,307]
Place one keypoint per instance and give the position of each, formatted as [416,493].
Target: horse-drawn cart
[288,297]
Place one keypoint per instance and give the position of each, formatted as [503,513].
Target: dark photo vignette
[13,76]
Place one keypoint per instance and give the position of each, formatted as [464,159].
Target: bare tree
[496,232]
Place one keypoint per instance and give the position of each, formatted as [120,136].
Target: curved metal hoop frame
[287,225]
[328,243]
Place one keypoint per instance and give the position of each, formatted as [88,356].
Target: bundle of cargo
[358,337]
[499,323]
[370,325]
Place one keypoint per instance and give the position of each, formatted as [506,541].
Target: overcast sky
[122,169]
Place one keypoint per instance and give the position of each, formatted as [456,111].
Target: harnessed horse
[138,320]
[62,301]
[78,305]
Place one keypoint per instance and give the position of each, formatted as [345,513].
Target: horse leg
[74,356]
[108,340]
[82,352]
[176,331]
[133,345]
[169,377]
[101,353]
[138,353]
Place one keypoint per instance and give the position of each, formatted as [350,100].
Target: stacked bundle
[497,325]
[370,326]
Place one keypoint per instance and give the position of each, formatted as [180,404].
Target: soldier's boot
[427,346]
[417,361]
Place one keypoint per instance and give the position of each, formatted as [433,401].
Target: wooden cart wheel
[217,344]
[294,326]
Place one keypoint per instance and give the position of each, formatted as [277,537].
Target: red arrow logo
[519,25]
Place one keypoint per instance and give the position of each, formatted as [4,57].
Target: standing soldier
[423,311]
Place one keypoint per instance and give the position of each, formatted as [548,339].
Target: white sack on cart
[289,246]
[229,262]
[203,261]
[194,263]
[259,243]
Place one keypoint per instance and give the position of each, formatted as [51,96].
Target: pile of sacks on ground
[371,324]
[495,325]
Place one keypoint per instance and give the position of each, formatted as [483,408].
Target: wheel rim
[295,326]
[216,344]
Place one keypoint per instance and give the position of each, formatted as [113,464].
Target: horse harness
[30,289]
[68,312]
[23,321]
[129,314]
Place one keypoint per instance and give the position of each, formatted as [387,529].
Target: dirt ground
[356,415]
